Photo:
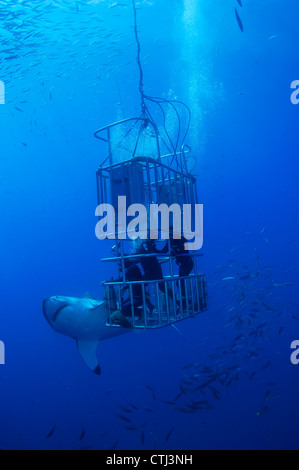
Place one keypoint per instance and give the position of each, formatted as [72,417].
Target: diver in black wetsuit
[151,266]
[184,262]
[133,273]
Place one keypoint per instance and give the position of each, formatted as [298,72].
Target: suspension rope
[145,112]
[141,87]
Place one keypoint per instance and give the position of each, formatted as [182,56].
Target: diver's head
[127,263]
[148,245]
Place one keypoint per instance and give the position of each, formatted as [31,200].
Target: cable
[152,120]
[163,100]
[176,102]
[159,101]
[141,88]
[164,126]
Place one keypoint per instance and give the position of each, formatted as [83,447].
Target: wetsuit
[185,263]
[152,267]
[150,264]
[133,273]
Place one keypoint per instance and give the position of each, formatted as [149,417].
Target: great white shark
[83,319]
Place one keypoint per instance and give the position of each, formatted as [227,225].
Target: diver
[182,258]
[152,267]
[132,274]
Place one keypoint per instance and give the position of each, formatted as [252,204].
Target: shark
[83,319]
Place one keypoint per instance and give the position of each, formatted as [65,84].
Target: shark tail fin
[87,350]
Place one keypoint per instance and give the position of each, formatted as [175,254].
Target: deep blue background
[69,68]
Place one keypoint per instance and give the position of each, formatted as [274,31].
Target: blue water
[69,67]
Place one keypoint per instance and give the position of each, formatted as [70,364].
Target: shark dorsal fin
[88,295]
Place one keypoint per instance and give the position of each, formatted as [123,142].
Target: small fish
[151,390]
[228,278]
[133,406]
[131,428]
[285,284]
[215,392]
[238,337]
[266,366]
[185,410]
[12,57]
[244,278]
[169,434]
[50,434]
[82,435]
[271,397]
[178,396]
[86,448]
[239,21]
[201,403]
[183,391]
[149,410]
[240,3]
[169,402]
[124,418]
[189,366]
[262,411]
[115,445]
[126,410]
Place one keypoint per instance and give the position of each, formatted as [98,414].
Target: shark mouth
[55,315]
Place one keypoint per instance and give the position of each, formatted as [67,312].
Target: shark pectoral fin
[87,350]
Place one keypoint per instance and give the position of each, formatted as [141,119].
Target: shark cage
[149,165]
[135,168]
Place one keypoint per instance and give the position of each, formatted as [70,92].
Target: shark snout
[46,309]
[45,301]
[52,308]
